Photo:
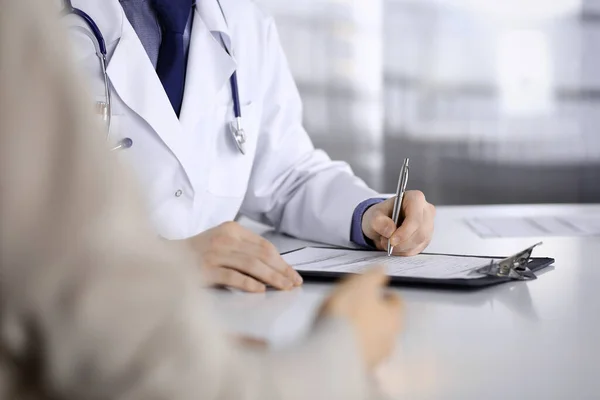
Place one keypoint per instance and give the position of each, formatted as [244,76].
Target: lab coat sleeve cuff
[356,234]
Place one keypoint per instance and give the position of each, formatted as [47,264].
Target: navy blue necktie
[173,16]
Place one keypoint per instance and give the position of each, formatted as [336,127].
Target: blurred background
[493,101]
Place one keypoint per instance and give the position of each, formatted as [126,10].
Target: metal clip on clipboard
[514,267]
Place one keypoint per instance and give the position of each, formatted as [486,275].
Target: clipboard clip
[513,267]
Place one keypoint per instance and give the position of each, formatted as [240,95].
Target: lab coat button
[178,193]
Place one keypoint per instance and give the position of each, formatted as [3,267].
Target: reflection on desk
[522,340]
[277,316]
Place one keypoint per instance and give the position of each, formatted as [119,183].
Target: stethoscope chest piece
[239,136]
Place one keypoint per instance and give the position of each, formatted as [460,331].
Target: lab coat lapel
[137,84]
[208,71]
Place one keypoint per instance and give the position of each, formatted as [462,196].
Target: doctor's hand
[375,315]
[233,256]
[413,236]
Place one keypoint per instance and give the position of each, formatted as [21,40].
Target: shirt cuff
[356,233]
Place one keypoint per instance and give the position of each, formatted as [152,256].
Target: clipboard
[518,267]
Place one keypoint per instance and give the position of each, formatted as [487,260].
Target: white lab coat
[194,176]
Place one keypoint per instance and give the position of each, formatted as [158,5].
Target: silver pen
[400,190]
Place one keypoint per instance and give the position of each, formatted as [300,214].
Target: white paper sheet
[542,226]
[353,261]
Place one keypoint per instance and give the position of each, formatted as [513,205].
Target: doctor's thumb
[381,223]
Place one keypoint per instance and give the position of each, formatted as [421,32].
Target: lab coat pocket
[230,169]
[157,171]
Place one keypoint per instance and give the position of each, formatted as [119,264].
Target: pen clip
[401,188]
[405,176]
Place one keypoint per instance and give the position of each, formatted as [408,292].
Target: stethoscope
[95,35]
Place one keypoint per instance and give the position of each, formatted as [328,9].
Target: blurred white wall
[495,101]
[488,74]
[335,50]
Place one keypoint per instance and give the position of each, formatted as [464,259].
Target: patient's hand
[375,315]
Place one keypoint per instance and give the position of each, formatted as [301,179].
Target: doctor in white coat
[169,69]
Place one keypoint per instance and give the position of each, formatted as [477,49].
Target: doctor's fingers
[411,247]
[415,233]
[247,265]
[221,276]
[266,252]
[414,208]
[423,236]
[381,223]
[409,228]
[413,204]
[233,237]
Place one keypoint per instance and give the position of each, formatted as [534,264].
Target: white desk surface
[522,340]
